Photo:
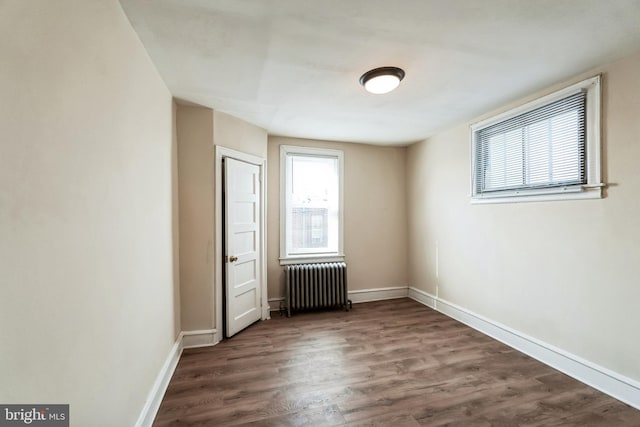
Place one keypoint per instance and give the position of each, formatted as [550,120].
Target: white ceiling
[292,66]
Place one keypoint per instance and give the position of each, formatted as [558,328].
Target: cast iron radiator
[312,286]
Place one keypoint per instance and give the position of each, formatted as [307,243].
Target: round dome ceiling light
[382,80]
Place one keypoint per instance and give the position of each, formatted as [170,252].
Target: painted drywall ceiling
[292,66]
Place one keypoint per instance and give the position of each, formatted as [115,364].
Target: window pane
[538,153]
[565,147]
[541,148]
[313,204]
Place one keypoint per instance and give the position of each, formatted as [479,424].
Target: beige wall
[375,236]
[175,222]
[200,129]
[564,272]
[231,132]
[195,171]
[87,226]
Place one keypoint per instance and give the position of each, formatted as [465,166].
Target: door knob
[233,259]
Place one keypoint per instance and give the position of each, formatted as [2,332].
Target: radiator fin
[314,286]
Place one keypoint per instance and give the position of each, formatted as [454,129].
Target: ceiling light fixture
[382,80]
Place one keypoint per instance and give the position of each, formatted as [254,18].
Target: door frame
[220,153]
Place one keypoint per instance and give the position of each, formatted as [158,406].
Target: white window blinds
[541,148]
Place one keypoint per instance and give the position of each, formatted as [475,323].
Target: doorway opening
[240,263]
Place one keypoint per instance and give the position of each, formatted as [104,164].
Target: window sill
[310,259]
[563,193]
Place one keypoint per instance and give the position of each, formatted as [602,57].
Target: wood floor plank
[394,363]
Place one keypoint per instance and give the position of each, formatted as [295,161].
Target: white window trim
[591,190]
[310,258]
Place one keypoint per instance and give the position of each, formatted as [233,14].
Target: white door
[242,244]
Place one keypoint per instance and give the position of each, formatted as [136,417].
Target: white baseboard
[615,385]
[186,339]
[378,294]
[154,398]
[200,338]
[422,297]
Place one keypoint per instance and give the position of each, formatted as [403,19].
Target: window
[547,149]
[311,204]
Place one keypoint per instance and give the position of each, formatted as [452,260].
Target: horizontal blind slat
[540,148]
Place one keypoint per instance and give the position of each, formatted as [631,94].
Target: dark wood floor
[393,363]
